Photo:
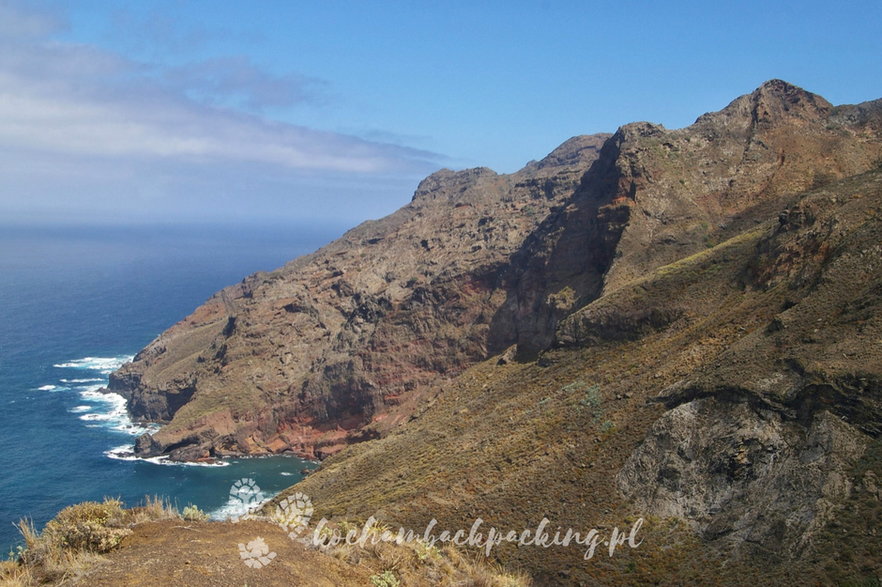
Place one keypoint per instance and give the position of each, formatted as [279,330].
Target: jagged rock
[147,447]
[744,474]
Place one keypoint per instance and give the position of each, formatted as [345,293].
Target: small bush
[425,551]
[385,579]
[88,526]
[76,537]
[192,513]
[592,397]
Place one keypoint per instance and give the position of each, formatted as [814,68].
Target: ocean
[75,303]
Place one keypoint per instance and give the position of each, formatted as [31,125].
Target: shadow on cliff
[561,265]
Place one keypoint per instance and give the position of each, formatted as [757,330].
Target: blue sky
[327,111]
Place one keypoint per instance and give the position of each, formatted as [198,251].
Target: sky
[330,112]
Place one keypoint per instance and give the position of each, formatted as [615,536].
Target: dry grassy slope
[738,388]
[175,551]
[305,357]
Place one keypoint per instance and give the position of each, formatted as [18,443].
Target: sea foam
[107,409]
[126,453]
[103,365]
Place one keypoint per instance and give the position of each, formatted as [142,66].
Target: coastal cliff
[681,327]
[338,346]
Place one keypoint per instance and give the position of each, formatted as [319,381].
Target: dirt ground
[175,552]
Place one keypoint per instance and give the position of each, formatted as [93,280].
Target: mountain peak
[450,180]
[574,151]
[790,94]
[779,86]
[774,101]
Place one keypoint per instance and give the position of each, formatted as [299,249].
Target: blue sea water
[74,304]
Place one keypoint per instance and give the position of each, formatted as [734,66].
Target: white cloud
[65,106]
[87,126]
[77,100]
[238,81]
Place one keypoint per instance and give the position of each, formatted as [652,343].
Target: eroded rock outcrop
[656,196]
[744,474]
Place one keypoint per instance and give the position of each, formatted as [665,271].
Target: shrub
[76,537]
[385,579]
[426,551]
[88,526]
[192,513]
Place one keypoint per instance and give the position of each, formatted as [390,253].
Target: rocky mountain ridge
[681,325]
[732,399]
[340,346]
[335,346]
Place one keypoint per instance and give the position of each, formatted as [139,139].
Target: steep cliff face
[715,365]
[336,347]
[343,345]
[655,196]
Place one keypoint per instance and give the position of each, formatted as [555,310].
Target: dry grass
[76,538]
[13,574]
[74,543]
[419,563]
[154,508]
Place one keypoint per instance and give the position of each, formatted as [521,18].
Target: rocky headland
[682,325]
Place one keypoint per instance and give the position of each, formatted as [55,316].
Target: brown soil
[203,554]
